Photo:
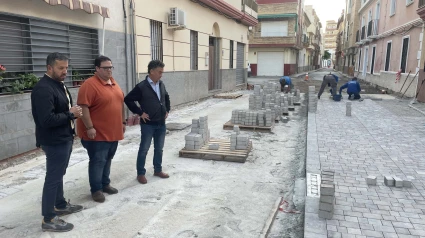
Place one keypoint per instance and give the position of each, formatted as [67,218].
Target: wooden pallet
[222,154]
[228,95]
[229,126]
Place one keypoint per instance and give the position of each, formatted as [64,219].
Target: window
[392,7]
[231,52]
[404,54]
[388,56]
[26,42]
[156,40]
[274,28]
[409,2]
[378,10]
[193,50]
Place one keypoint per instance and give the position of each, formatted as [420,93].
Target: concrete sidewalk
[381,138]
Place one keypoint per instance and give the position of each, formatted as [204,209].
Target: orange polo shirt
[105,102]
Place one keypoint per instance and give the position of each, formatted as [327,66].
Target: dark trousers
[100,154]
[57,159]
[157,132]
[328,81]
[354,96]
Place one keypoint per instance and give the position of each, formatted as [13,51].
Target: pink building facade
[389,40]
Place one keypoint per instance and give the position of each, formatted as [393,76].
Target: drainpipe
[102,50]
[132,46]
[125,46]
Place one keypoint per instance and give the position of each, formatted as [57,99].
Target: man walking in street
[286,81]
[331,80]
[102,125]
[353,89]
[154,107]
[54,130]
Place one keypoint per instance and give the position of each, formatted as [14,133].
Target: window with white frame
[274,28]
[378,10]
[392,7]
[193,50]
[156,40]
[408,2]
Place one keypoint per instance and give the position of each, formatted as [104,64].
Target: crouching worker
[286,81]
[353,89]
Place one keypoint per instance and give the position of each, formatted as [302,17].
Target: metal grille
[240,63]
[193,50]
[156,40]
[26,42]
[231,55]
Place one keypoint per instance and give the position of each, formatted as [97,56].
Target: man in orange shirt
[102,125]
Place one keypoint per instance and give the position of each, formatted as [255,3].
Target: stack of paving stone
[312,99]
[254,118]
[199,134]
[297,96]
[238,141]
[394,181]
[251,119]
[327,195]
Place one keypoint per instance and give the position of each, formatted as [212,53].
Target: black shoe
[98,196]
[56,225]
[69,209]
[110,190]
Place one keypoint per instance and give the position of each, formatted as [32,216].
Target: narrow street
[200,199]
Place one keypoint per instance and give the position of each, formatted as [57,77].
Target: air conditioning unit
[177,17]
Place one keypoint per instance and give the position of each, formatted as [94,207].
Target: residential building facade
[352,35]
[203,43]
[310,55]
[331,35]
[340,41]
[204,53]
[389,38]
[274,44]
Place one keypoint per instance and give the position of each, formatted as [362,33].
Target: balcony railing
[363,33]
[251,4]
[421,3]
[358,36]
[372,29]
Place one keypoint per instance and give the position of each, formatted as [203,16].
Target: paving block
[407,183]
[327,180]
[389,181]
[328,171]
[371,180]
[214,146]
[398,182]
[327,199]
[329,207]
[327,189]
[325,215]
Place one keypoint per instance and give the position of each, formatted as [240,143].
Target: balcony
[270,39]
[421,9]
[372,29]
[250,7]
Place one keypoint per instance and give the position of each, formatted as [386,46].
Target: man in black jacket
[54,130]
[154,107]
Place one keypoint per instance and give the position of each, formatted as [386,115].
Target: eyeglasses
[107,68]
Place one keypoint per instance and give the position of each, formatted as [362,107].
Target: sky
[327,9]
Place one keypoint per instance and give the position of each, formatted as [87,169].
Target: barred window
[156,40]
[26,42]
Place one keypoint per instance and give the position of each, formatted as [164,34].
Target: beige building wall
[176,44]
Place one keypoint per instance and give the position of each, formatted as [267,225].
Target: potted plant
[77,79]
[29,80]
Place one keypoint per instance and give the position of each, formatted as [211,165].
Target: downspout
[102,50]
[132,46]
[126,45]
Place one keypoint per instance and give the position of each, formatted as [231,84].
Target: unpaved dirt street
[201,198]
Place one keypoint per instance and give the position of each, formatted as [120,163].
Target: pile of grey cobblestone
[238,141]
[199,134]
[327,195]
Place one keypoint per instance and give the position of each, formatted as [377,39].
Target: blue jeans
[57,159]
[101,154]
[157,132]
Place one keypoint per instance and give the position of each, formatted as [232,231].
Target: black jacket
[149,102]
[51,114]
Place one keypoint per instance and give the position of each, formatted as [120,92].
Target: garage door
[270,64]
